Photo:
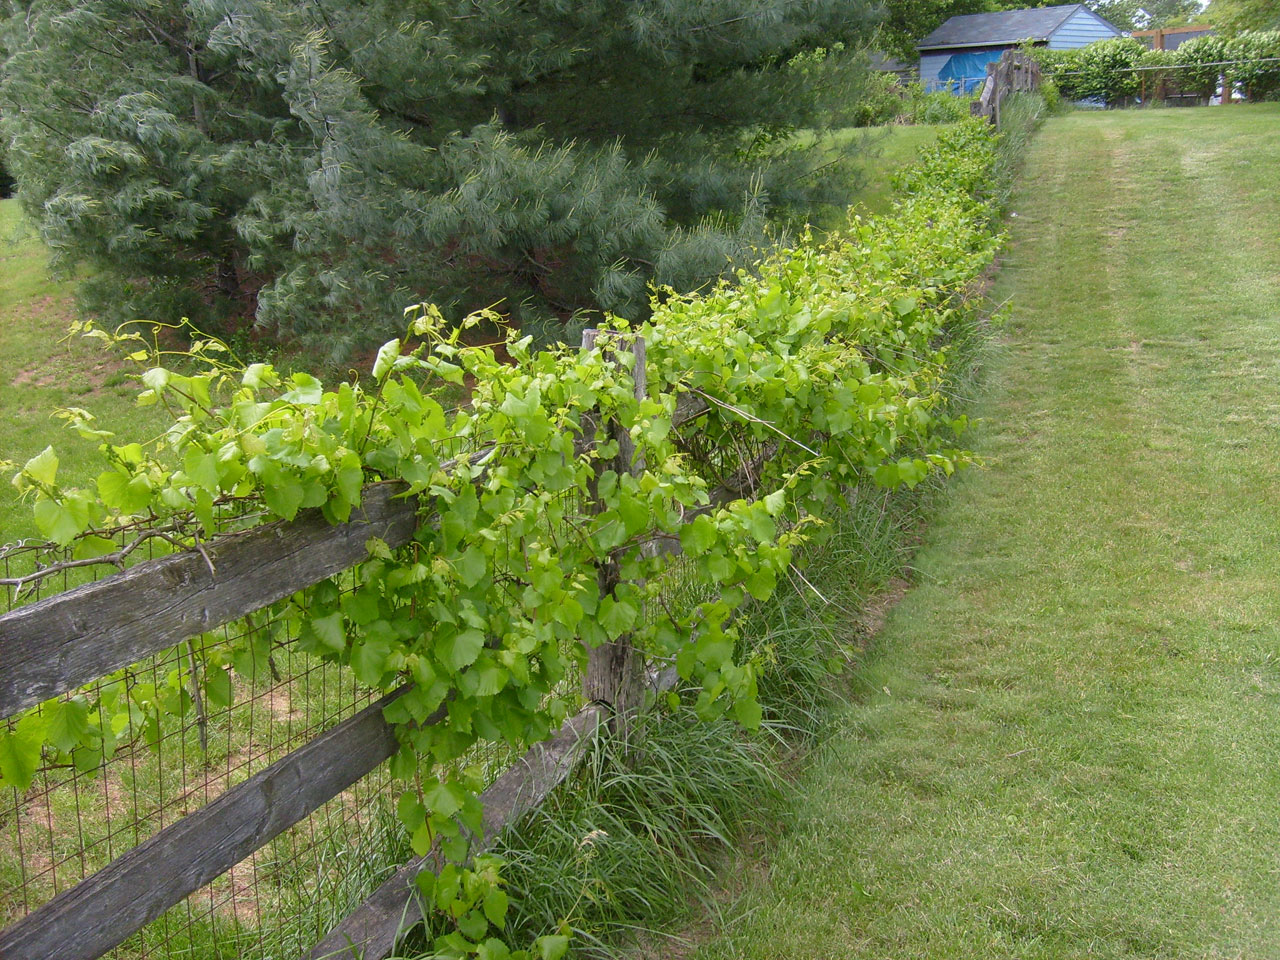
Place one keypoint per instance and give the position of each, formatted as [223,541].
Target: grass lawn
[43,370]
[893,147]
[1065,743]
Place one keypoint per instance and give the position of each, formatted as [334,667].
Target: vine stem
[753,419]
[202,719]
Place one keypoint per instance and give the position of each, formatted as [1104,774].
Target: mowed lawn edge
[1064,743]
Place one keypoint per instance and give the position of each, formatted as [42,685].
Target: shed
[957,53]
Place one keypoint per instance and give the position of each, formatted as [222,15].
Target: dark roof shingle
[1007,26]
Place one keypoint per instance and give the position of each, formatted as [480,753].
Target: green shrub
[1061,67]
[1107,69]
[880,102]
[934,108]
[1150,79]
[1196,55]
[1051,95]
[1261,79]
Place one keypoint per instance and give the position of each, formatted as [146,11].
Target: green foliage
[1260,79]
[934,108]
[1196,54]
[1235,16]
[826,369]
[845,92]
[1020,117]
[634,838]
[1059,67]
[1051,95]
[880,102]
[316,166]
[1204,56]
[471,907]
[1159,67]
[1146,14]
[1107,71]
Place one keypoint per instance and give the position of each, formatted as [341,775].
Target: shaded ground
[1066,741]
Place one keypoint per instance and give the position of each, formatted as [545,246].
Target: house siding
[931,64]
[1079,30]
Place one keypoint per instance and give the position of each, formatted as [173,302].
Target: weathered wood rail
[1014,72]
[65,641]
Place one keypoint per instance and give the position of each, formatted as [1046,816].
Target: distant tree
[906,22]
[1146,14]
[1235,16]
[319,164]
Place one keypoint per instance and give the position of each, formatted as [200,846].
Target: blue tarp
[965,72]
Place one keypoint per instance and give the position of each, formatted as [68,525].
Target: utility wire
[1172,66]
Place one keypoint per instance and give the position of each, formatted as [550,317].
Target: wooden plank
[371,931]
[106,908]
[67,640]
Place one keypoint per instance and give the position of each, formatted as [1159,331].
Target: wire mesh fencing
[176,731]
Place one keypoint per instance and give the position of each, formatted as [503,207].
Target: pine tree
[317,165]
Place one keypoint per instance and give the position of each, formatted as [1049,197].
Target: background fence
[255,818]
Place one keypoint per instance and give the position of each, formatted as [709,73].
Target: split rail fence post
[615,671]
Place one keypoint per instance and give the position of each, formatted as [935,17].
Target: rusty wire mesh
[72,822]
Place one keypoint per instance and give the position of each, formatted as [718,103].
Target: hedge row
[1108,70]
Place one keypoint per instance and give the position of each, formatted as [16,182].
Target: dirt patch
[281,707]
[876,611]
[34,377]
[75,369]
[82,366]
[235,893]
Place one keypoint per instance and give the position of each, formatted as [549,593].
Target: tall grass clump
[634,842]
[1020,117]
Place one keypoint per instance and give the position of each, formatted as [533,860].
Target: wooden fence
[1014,72]
[57,644]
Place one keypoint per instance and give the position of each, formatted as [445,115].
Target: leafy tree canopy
[1146,14]
[305,162]
[1235,16]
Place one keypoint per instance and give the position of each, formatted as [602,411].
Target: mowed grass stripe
[1067,743]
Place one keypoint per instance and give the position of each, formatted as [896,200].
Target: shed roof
[1006,26]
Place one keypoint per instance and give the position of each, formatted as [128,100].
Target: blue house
[956,55]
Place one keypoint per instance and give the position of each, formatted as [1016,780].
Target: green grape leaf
[495,906]
[43,467]
[552,947]
[460,650]
[471,566]
[66,722]
[697,538]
